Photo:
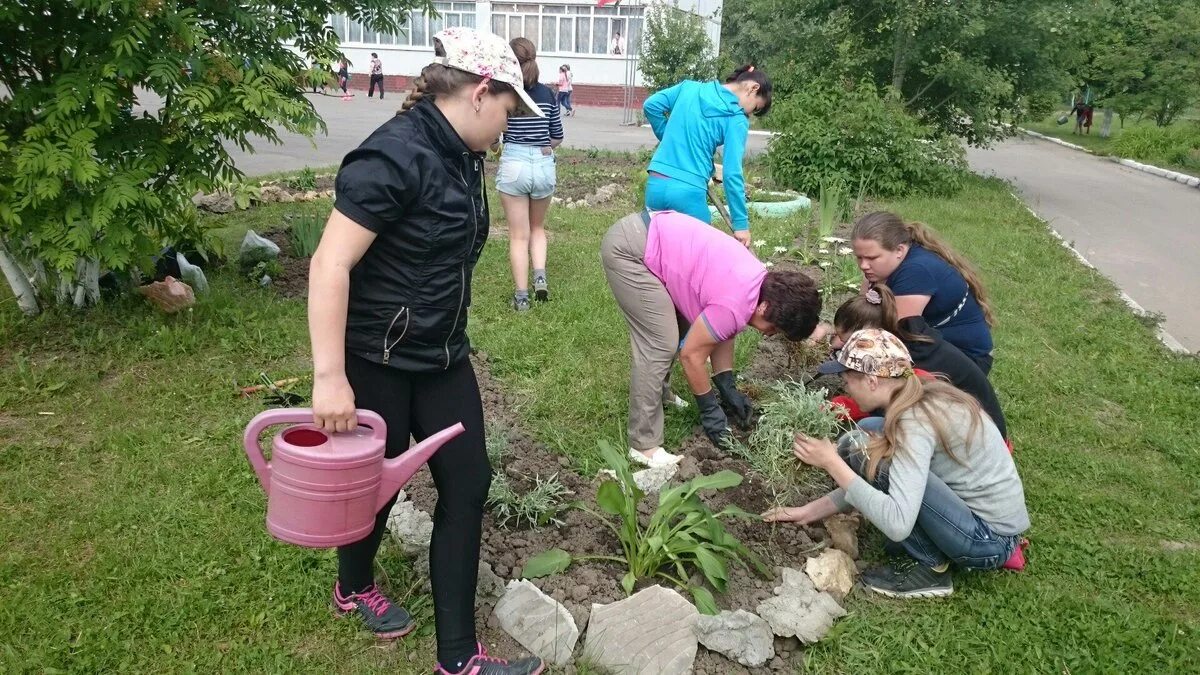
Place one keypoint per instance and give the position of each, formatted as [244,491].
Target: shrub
[1178,145]
[854,137]
[676,48]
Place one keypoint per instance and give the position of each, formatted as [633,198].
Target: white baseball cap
[489,56]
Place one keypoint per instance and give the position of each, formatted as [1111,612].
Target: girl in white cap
[389,288]
[939,481]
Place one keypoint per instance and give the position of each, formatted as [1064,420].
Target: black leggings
[375,80]
[423,404]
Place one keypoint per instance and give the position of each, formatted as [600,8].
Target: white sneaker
[676,402]
[659,457]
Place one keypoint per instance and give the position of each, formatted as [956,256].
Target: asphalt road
[1139,230]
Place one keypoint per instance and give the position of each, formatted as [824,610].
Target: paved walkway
[351,121]
[1139,230]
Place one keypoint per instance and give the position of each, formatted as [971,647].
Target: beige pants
[654,328]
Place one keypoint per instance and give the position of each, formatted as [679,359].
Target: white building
[576,32]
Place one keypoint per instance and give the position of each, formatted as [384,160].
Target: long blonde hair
[890,231]
[930,401]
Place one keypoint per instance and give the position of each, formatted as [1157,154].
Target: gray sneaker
[541,290]
[906,578]
[521,304]
[385,620]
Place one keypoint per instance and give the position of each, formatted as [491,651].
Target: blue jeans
[946,529]
[564,100]
[665,194]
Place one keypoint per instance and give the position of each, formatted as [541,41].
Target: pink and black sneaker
[386,620]
[482,664]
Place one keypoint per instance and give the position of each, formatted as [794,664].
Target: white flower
[781,249]
[823,250]
[760,243]
[845,250]
[834,240]
[824,263]
[768,264]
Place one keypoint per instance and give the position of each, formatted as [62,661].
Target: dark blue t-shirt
[923,272]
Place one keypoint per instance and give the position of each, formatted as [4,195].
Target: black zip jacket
[420,189]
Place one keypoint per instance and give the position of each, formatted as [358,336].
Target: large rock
[843,532]
[741,636]
[651,631]
[1193,181]
[653,479]
[217,202]
[799,609]
[538,622]
[411,527]
[833,572]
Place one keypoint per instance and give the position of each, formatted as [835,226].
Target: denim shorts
[526,172]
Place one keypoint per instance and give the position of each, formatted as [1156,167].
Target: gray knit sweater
[986,479]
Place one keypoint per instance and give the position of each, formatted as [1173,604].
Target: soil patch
[507,550]
[292,281]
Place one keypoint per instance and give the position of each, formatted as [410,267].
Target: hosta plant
[682,535]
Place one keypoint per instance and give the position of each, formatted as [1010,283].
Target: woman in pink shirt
[564,89]
[673,274]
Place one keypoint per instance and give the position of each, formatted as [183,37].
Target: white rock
[799,610]
[1129,163]
[217,202]
[1193,181]
[1182,178]
[411,527]
[537,621]
[652,480]
[741,636]
[833,572]
[651,631]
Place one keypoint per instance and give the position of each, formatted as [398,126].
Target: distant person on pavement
[376,76]
[564,89]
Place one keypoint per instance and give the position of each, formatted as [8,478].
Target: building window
[419,28]
[570,29]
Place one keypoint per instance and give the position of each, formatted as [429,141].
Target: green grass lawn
[133,525]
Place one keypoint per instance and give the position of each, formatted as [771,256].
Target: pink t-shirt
[705,271]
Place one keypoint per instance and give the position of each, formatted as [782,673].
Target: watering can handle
[270,418]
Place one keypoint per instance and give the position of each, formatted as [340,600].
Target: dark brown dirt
[293,281]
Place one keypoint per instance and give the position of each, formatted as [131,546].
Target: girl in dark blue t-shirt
[929,280]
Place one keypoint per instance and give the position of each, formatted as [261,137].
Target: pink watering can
[324,489]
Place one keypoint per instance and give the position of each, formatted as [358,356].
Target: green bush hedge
[1177,145]
[828,132]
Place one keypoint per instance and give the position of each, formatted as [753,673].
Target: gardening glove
[737,403]
[712,418]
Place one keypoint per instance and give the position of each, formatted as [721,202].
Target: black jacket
[942,357]
[420,189]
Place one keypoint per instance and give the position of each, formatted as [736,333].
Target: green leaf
[544,564]
[704,600]
[718,481]
[610,498]
[713,567]
[627,582]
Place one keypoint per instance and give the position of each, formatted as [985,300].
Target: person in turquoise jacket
[691,120]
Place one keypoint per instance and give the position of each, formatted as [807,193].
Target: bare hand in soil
[816,452]
[787,514]
[823,330]
[743,236]
[333,404]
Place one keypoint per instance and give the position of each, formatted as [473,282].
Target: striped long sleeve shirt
[537,131]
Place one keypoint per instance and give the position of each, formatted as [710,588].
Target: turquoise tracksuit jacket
[703,117]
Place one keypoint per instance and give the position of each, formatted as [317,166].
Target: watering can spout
[399,470]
